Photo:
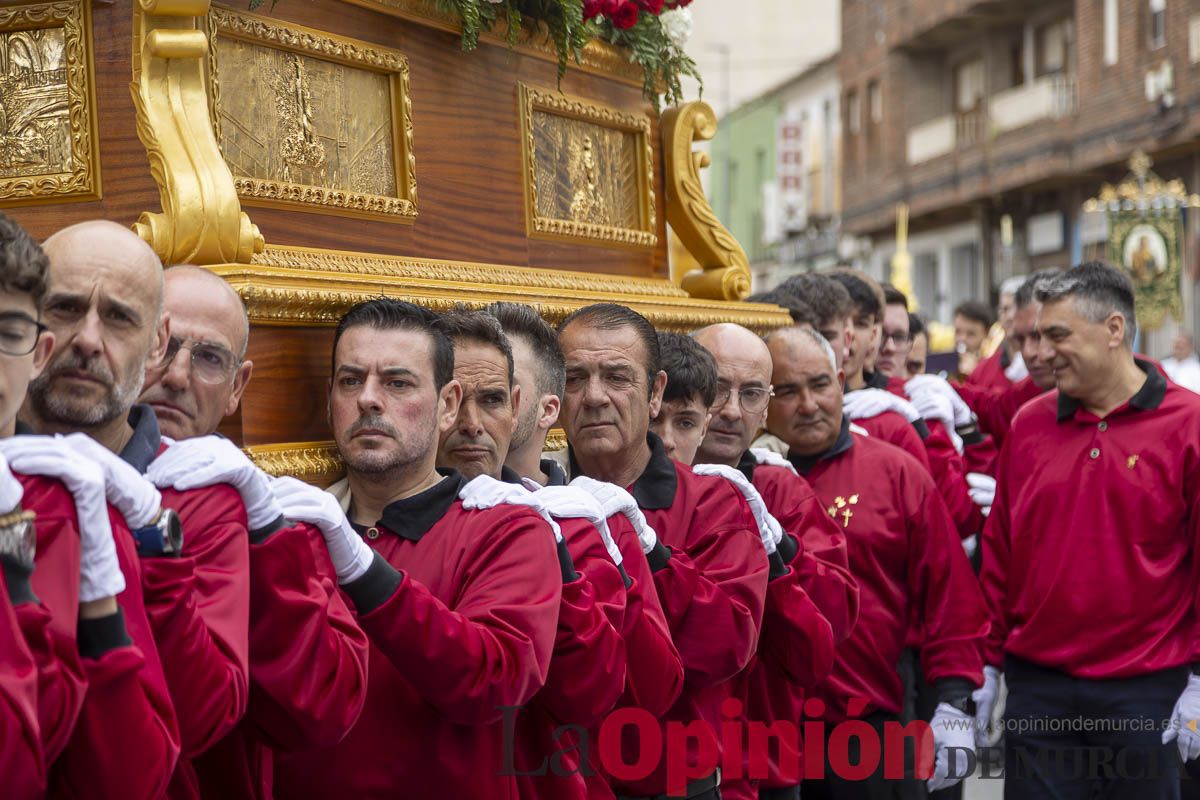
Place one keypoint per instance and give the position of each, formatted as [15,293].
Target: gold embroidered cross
[841,507]
[1132,462]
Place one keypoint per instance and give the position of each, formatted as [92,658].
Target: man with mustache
[294,571]
[1098,497]
[816,590]
[904,554]
[104,305]
[83,648]
[587,666]
[459,603]
[712,568]
[654,673]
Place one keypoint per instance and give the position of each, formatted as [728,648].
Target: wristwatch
[162,537]
[18,537]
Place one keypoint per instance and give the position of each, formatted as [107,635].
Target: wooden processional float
[327,152]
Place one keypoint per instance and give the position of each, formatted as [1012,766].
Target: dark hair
[1098,290]
[863,297]
[893,296]
[462,323]
[976,312]
[386,314]
[1025,295]
[520,321]
[691,370]
[610,317]
[23,265]
[827,298]
[800,311]
[915,324]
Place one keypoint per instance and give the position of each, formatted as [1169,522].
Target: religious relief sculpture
[302,156]
[44,86]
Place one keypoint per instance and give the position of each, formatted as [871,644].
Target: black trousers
[874,787]
[1072,738]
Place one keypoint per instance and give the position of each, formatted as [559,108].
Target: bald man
[104,304]
[812,601]
[294,601]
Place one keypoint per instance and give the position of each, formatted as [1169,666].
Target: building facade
[995,120]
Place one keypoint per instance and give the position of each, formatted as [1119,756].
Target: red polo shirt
[905,555]
[1090,512]
[461,610]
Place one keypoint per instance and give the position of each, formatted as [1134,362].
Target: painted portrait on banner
[1147,246]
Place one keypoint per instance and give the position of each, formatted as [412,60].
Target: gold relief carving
[312,121]
[48,144]
[315,462]
[588,171]
[725,270]
[202,221]
[597,57]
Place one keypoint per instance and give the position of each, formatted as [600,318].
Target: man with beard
[294,602]
[83,646]
[904,555]
[813,602]
[104,306]
[1098,497]
[712,568]
[459,605]
[654,673]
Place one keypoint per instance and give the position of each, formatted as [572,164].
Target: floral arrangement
[653,31]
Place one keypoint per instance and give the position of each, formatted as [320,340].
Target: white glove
[487,492]
[933,406]
[772,459]
[99,571]
[1186,713]
[135,497]
[210,460]
[982,491]
[615,500]
[566,502]
[867,403]
[1016,369]
[951,729]
[351,556]
[934,383]
[768,527]
[985,704]
[11,490]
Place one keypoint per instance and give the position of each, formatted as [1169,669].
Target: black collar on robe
[509,475]
[746,465]
[655,488]
[875,380]
[23,429]
[844,442]
[553,472]
[143,446]
[412,517]
[1148,398]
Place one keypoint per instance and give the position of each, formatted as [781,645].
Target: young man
[71,620]
[460,606]
[918,350]
[973,321]
[293,596]
[903,553]
[587,666]
[682,420]
[1109,465]
[712,579]
[895,338]
[1004,367]
[813,603]
[654,675]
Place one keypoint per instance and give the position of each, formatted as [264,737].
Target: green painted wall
[743,157]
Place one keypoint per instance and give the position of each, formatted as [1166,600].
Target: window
[1053,47]
[1158,24]
[1111,16]
[1194,39]
[968,85]
[875,102]
[853,112]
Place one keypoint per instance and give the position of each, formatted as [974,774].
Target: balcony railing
[1050,97]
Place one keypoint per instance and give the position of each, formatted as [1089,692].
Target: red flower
[652,6]
[597,8]
[625,16]
[678,4]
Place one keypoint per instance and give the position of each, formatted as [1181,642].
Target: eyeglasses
[211,363]
[752,399]
[19,334]
[900,340]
